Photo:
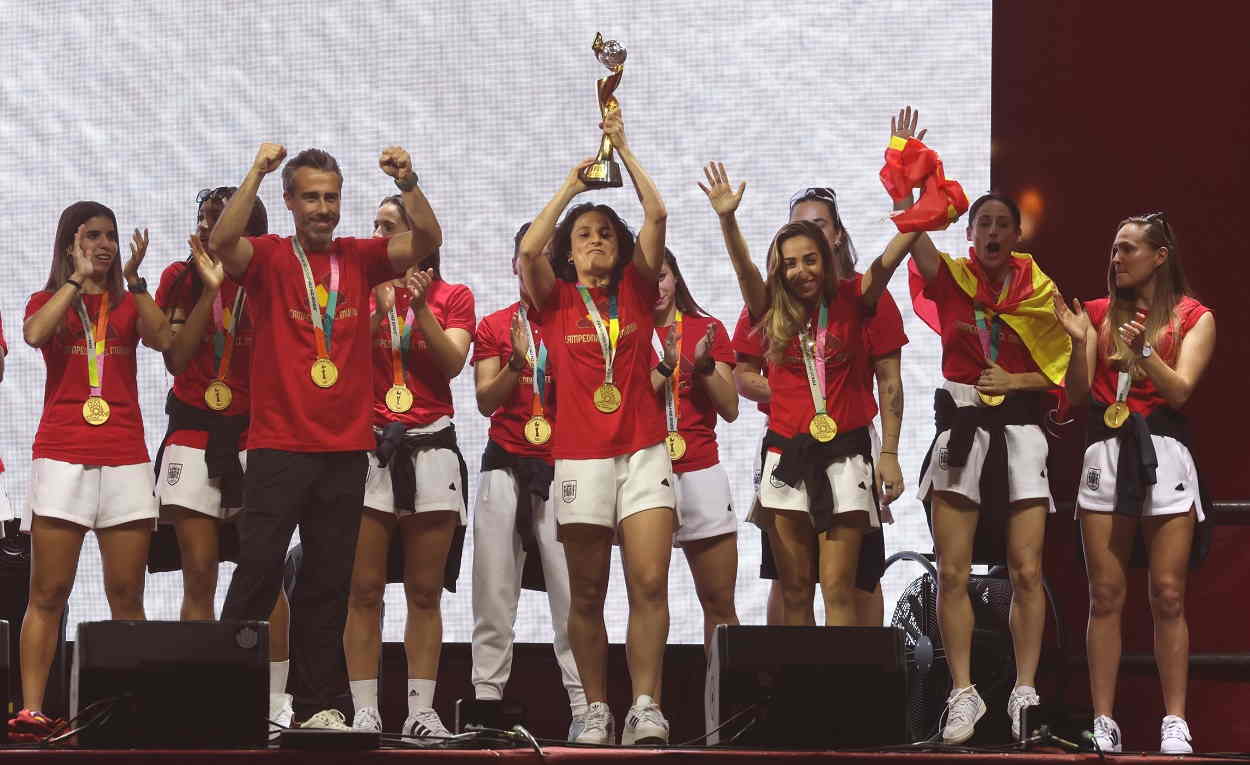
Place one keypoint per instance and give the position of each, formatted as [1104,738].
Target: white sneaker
[598,727]
[425,723]
[367,718]
[1106,734]
[963,708]
[280,712]
[1174,736]
[1021,696]
[576,725]
[645,724]
[327,719]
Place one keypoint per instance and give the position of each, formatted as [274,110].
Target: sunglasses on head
[820,193]
[1162,219]
[219,194]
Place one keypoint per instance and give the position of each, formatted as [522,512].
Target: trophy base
[603,174]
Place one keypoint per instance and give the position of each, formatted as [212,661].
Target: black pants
[322,493]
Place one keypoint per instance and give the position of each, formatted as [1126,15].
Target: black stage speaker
[171,684]
[807,687]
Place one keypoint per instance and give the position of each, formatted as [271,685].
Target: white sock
[278,671]
[364,693]
[420,694]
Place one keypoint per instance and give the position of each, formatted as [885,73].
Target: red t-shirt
[883,334]
[697,420]
[494,340]
[202,370]
[578,366]
[63,433]
[289,411]
[848,372]
[962,356]
[1143,396]
[452,306]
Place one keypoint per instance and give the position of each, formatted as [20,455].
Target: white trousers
[498,560]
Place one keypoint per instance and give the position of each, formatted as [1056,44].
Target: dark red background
[1112,109]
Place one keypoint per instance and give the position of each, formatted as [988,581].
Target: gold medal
[607,398]
[1116,415]
[399,399]
[676,446]
[823,428]
[218,396]
[538,430]
[95,410]
[991,399]
[324,373]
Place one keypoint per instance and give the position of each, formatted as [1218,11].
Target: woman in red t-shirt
[985,478]
[818,472]
[1138,354]
[612,471]
[416,481]
[697,361]
[90,468]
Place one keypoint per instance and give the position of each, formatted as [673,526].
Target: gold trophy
[605,173]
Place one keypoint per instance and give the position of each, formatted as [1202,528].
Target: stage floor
[574,756]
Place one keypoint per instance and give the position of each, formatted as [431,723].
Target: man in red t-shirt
[310,425]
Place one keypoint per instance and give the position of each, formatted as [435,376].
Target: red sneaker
[33,727]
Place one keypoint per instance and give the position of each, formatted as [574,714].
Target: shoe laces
[648,714]
[961,708]
[428,720]
[1175,727]
[367,718]
[331,719]
[1024,696]
[598,716]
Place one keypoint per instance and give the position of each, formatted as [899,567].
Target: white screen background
[140,104]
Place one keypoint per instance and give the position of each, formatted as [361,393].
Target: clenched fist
[268,157]
[395,162]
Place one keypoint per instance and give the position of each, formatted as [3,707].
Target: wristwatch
[139,286]
[407,184]
[664,369]
[1146,351]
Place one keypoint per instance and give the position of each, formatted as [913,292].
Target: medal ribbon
[538,366]
[401,340]
[223,336]
[322,325]
[608,334]
[1123,381]
[95,336]
[812,348]
[672,389]
[990,326]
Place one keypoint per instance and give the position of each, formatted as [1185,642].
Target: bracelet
[664,369]
[887,451]
[76,284]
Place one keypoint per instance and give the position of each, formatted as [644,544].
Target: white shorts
[6,507]
[184,482]
[850,480]
[90,495]
[438,484]
[1026,459]
[704,505]
[604,492]
[1174,492]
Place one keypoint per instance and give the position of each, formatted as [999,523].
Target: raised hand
[84,267]
[575,183]
[613,127]
[520,339]
[1133,332]
[719,192]
[211,272]
[268,158]
[138,249]
[395,162]
[384,296]
[904,125]
[418,283]
[671,359]
[1074,320]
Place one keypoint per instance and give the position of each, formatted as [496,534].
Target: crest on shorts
[568,491]
[774,481]
[173,473]
[944,459]
[1093,477]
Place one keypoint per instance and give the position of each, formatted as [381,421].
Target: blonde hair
[1162,323]
[786,316]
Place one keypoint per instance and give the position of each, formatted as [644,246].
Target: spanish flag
[910,164]
[1027,306]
